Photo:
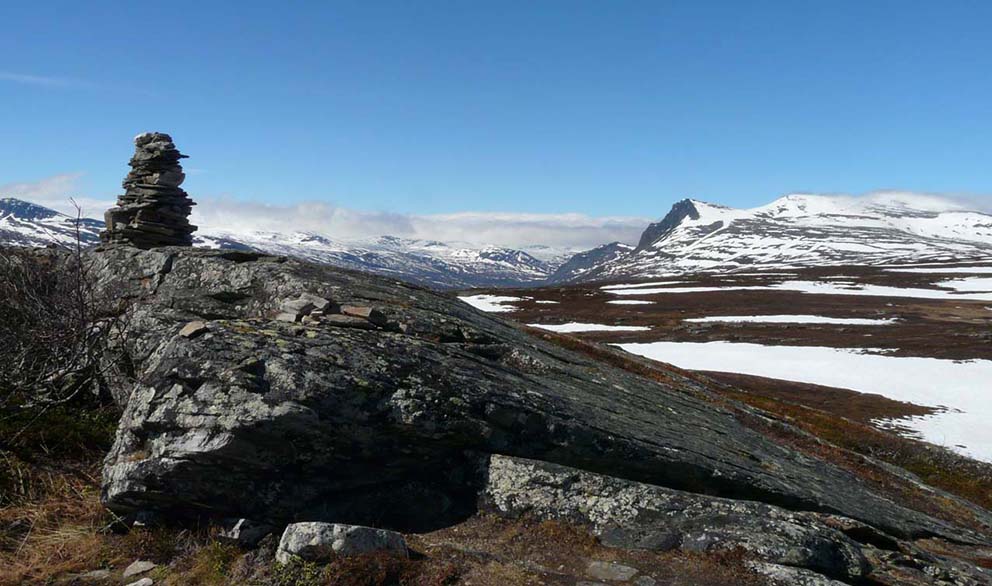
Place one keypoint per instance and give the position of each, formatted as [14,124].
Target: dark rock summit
[653,233]
[154,210]
[280,391]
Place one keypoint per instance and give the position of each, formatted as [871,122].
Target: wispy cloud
[497,228]
[232,215]
[922,200]
[44,81]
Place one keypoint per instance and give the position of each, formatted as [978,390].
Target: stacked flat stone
[153,211]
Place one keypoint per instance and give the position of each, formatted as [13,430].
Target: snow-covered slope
[26,224]
[428,262]
[431,263]
[799,231]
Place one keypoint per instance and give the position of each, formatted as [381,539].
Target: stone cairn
[153,211]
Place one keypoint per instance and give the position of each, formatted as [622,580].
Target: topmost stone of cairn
[153,211]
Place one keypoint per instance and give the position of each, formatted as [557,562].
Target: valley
[905,348]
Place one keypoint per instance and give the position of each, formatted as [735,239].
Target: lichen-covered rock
[379,425]
[780,575]
[634,515]
[322,542]
[788,547]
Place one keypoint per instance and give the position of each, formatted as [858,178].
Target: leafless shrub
[54,330]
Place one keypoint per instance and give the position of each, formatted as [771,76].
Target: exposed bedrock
[309,417]
[786,545]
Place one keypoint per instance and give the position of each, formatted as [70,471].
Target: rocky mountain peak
[681,210]
[800,230]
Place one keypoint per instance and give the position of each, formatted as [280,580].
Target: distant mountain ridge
[791,232]
[431,263]
[24,223]
[797,230]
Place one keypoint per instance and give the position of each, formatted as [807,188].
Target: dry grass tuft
[56,535]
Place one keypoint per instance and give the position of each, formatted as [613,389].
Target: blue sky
[600,108]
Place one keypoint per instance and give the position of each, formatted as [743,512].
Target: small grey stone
[373,315]
[93,576]
[346,321]
[193,329]
[139,567]
[645,581]
[610,571]
[300,306]
[142,582]
[243,532]
[321,542]
[320,303]
[290,317]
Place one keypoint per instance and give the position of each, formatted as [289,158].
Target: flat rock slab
[347,321]
[632,515]
[322,542]
[817,547]
[193,329]
[138,567]
[611,571]
[371,314]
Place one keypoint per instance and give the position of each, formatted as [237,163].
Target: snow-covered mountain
[793,231]
[26,224]
[796,231]
[427,262]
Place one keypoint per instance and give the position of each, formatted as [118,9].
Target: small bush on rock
[55,335]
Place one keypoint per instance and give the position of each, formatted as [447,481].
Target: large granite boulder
[311,418]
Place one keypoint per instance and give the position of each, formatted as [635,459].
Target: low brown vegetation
[950,329]
[860,407]
[938,467]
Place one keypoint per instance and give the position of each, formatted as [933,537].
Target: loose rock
[193,329]
[373,315]
[321,542]
[347,321]
[139,567]
[610,571]
[243,532]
